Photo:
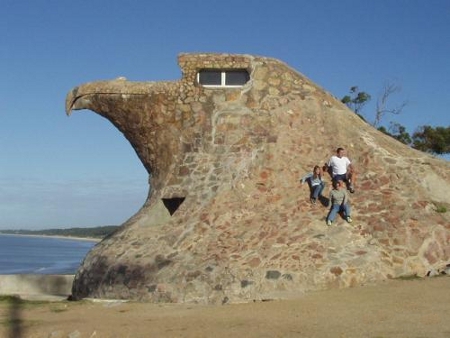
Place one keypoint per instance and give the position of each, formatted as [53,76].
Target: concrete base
[37,286]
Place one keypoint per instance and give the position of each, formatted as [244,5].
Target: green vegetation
[9,299]
[16,300]
[441,209]
[433,140]
[425,138]
[16,305]
[356,100]
[59,306]
[409,277]
[96,232]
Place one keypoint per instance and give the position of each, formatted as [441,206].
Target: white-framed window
[215,78]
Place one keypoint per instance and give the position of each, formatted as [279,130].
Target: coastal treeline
[95,232]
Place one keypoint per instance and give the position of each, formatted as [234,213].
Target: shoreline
[42,254]
[88,239]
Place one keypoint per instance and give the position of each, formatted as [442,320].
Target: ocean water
[41,255]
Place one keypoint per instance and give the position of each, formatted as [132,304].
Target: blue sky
[79,171]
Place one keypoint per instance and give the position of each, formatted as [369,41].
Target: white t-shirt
[339,165]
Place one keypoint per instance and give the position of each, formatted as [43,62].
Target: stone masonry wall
[227,219]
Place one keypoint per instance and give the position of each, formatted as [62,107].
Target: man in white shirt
[341,168]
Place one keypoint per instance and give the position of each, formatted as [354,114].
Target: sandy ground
[398,308]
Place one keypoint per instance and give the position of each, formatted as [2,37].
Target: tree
[382,103]
[356,100]
[426,138]
[397,131]
[432,140]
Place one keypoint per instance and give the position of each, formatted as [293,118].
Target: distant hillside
[96,232]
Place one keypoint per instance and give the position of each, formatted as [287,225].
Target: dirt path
[414,308]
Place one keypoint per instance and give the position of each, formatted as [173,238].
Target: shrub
[441,209]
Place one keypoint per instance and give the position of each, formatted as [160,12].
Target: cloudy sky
[59,171]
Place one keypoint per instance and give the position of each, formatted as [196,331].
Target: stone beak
[140,111]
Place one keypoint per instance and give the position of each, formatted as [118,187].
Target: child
[315,182]
[339,202]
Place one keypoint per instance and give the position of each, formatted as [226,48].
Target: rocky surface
[227,219]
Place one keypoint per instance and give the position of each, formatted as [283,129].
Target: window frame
[223,77]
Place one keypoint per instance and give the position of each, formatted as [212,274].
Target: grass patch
[57,308]
[9,299]
[13,305]
[54,306]
[441,209]
[409,277]
[11,323]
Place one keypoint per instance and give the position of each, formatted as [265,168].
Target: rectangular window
[223,78]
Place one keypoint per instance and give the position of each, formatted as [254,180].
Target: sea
[41,255]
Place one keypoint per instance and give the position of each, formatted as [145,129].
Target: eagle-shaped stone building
[227,220]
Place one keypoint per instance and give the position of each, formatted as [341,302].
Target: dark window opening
[210,77]
[172,204]
[223,78]
[236,77]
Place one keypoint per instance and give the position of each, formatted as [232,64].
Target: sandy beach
[75,238]
[395,308]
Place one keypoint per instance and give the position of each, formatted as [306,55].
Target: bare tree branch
[382,103]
